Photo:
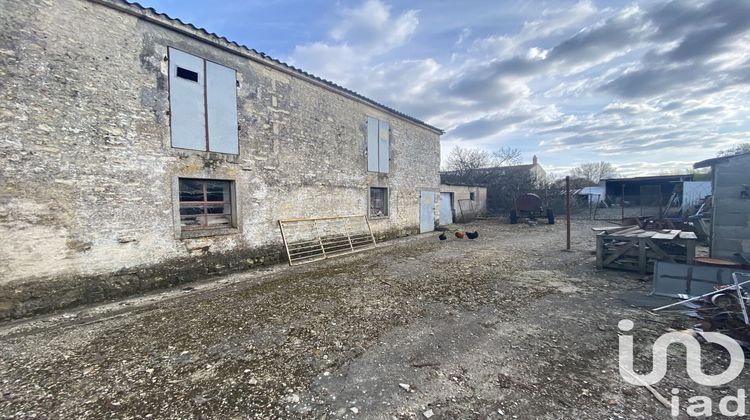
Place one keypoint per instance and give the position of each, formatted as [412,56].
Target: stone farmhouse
[138,152]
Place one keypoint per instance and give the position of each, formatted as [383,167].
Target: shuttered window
[378,145]
[202,104]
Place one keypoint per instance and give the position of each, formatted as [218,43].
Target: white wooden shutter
[186,101]
[221,97]
[384,149]
[372,144]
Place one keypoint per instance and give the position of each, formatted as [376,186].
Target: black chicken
[442,236]
[472,235]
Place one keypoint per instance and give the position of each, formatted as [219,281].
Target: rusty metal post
[567,211]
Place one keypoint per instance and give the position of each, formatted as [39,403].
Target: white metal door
[426,211]
[446,208]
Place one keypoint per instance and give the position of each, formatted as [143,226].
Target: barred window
[378,202]
[205,204]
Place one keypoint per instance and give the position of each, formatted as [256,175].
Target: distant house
[494,174]
[502,182]
[534,170]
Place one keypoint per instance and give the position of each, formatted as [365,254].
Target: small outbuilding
[461,203]
[730,221]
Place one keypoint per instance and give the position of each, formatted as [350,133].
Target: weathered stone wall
[88,178]
[463,192]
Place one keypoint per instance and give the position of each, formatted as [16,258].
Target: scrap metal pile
[723,310]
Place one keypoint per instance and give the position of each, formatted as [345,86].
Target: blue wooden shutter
[372,144]
[221,97]
[186,102]
[384,153]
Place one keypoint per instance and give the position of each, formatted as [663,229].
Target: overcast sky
[651,86]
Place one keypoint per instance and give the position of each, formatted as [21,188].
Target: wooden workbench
[634,249]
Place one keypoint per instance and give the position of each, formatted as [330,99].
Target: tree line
[480,167]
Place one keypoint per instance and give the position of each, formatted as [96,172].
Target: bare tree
[506,156]
[463,160]
[737,149]
[594,171]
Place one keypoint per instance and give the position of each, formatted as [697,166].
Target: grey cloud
[592,44]
[704,110]
[601,126]
[701,29]
[578,140]
[663,58]
[588,46]
[485,127]
[706,42]
[674,19]
[672,106]
[653,81]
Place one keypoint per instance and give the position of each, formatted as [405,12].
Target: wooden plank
[627,230]
[600,250]
[665,236]
[623,233]
[606,228]
[610,229]
[642,260]
[719,262]
[690,250]
[688,235]
[618,253]
[647,234]
[655,247]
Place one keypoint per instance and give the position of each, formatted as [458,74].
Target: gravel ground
[506,326]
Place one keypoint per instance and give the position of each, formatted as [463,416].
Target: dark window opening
[472,197]
[187,74]
[205,204]
[378,202]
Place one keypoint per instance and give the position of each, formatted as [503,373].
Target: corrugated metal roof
[154,16]
[713,161]
[665,178]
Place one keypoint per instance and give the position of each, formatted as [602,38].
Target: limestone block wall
[88,181]
[463,192]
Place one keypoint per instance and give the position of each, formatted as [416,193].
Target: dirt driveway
[506,326]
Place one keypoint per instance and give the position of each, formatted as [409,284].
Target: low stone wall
[43,295]
[36,296]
